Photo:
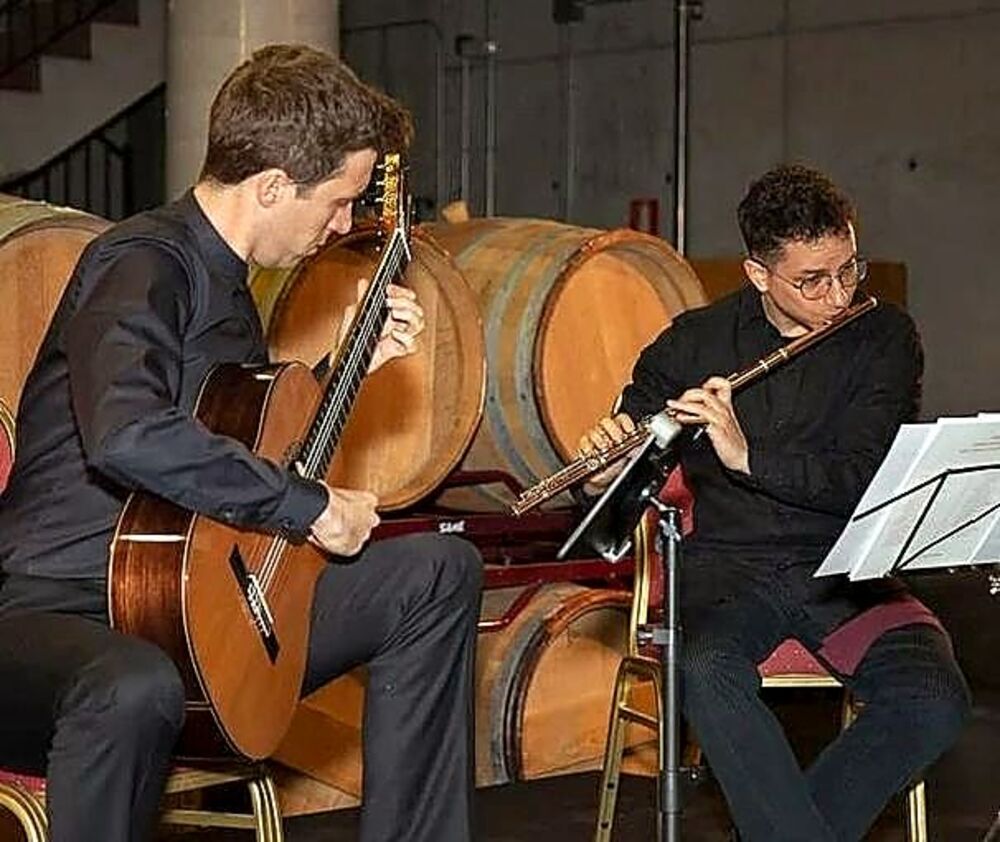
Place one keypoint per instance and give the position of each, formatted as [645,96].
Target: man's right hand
[347,521]
[601,436]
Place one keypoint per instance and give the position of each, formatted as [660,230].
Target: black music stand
[607,528]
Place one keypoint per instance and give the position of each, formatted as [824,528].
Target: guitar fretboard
[352,363]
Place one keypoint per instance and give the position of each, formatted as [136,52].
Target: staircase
[67,67]
[30,29]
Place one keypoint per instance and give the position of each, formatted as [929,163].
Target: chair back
[6,443]
[647,587]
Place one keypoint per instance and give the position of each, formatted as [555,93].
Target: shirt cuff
[304,500]
[764,473]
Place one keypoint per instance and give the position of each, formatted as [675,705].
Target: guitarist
[152,306]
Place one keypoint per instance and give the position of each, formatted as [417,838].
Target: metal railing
[113,172]
[29,27]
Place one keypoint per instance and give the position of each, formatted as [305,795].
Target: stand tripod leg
[668,639]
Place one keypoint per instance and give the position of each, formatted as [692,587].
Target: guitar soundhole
[256,603]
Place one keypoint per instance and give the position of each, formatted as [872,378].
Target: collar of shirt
[223,263]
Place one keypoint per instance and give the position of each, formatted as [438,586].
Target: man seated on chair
[775,476]
[153,304]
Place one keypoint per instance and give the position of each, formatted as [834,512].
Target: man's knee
[710,665]
[939,715]
[136,688]
[450,564]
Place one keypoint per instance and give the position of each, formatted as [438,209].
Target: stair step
[74,44]
[35,23]
[27,76]
[121,11]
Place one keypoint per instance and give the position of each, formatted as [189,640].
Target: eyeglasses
[817,286]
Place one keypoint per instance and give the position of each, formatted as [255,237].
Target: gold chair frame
[28,807]
[635,667]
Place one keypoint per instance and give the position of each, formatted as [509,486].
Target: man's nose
[839,293]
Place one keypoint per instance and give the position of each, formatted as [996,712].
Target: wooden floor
[963,796]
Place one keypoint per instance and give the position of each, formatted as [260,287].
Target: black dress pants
[98,712]
[913,693]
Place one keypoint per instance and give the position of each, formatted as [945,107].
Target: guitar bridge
[256,603]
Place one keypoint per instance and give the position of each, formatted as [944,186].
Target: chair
[790,665]
[24,795]
[6,443]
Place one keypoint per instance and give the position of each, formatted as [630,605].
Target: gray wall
[899,100]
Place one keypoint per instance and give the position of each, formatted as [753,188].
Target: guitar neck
[352,361]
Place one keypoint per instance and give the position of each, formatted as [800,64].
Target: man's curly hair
[791,203]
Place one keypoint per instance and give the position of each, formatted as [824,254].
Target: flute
[585,467]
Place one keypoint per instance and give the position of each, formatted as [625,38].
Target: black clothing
[914,704]
[152,305]
[817,429]
[98,711]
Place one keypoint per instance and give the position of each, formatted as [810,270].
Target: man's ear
[756,273]
[270,185]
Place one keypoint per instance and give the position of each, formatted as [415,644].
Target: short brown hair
[301,110]
[792,203]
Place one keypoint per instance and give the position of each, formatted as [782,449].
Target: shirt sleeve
[124,348]
[655,378]
[832,477]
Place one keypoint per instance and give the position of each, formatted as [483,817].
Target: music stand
[933,503]
[607,528]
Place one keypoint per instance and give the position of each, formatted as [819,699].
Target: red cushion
[791,658]
[31,783]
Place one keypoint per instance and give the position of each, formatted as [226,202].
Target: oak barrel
[414,417]
[39,246]
[542,694]
[566,311]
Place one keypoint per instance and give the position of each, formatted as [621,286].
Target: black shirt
[817,427]
[152,306]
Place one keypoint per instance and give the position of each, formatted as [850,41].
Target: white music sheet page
[935,502]
[856,539]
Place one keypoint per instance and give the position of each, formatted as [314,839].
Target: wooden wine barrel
[722,275]
[542,694]
[39,246]
[414,417]
[566,311]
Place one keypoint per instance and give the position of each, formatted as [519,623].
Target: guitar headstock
[392,194]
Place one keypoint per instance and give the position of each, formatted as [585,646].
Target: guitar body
[187,583]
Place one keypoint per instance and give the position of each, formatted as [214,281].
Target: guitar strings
[322,442]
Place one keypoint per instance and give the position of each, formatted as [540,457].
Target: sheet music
[855,541]
[939,493]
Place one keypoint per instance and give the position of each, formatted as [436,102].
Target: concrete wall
[899,100]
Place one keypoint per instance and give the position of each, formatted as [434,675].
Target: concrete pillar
[205,41]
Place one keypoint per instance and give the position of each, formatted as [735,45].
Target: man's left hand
[404,324]
[712,405]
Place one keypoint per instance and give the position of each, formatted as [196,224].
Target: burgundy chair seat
[32,783]
[791,658]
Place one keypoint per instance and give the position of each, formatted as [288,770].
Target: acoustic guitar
[231,606]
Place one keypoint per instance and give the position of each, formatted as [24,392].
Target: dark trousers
[913,695]
[98,712]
